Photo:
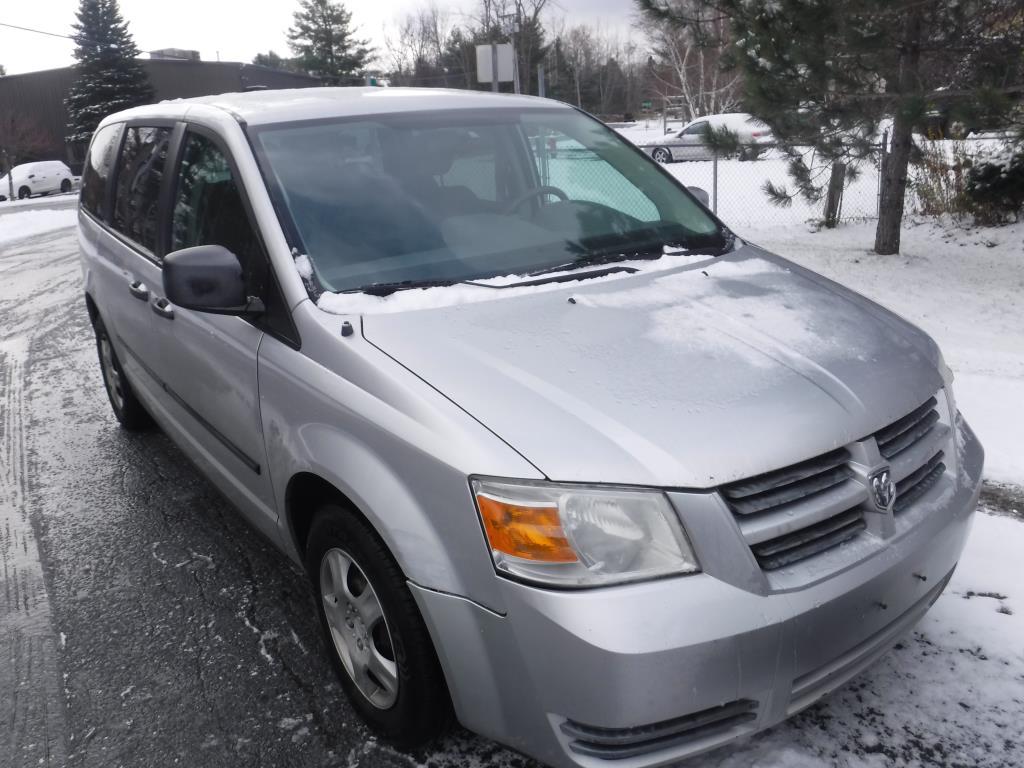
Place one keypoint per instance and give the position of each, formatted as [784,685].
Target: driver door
[208,361]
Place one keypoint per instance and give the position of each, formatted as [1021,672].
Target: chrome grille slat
[909,460]
[904,432]
[916,485]
[792,517]
[787,476]
[909,437]
[808,541]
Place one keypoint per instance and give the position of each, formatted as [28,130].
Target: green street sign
[646,104]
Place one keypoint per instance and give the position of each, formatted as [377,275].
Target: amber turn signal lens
[530,533]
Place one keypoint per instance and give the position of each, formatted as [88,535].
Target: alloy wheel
[358,628]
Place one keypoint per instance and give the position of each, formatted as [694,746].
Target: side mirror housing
[701,195]
[208,278]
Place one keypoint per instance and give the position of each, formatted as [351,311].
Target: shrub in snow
[995,187]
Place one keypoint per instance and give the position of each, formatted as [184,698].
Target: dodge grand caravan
[562,456]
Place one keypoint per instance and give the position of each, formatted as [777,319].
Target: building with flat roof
[37,98]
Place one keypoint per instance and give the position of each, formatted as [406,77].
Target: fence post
[714,183]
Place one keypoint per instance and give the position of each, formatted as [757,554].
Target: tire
[24,192]
[130,413]
[65,186]
[350,569]
[662,155]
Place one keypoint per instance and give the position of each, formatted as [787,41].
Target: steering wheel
[535,192]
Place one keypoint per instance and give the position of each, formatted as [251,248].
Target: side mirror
[208,278]
[701,195]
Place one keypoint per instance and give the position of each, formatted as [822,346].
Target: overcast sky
[235,29]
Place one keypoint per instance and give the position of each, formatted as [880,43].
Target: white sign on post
[483,63]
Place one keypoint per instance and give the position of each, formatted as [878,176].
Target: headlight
[581,536]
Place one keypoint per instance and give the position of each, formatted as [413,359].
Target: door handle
[162,308]
[139,290]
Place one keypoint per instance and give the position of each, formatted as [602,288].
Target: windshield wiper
[386,289]
[609,256]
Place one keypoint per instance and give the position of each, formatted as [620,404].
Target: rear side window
[208,208]
[143,155]
[98,165]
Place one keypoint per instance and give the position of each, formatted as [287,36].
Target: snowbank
[27,223]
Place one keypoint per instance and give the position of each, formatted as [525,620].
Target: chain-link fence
[736,185]
[736,182]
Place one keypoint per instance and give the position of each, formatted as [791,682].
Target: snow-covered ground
[24,222]
[39,200]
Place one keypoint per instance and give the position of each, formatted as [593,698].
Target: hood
[692,377]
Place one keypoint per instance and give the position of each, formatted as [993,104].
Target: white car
[688,142]
[40,178]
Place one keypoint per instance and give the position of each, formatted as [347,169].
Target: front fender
[396,448]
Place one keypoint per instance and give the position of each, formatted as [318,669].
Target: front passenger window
[208,207]
[138,184]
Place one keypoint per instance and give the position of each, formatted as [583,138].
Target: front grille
[799,545]
[796,512]
[621,743]
[805,509]
[905,433]
[916,484]
[785,486]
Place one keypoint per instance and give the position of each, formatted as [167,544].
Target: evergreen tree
[274,61]
[323,40]
[3,72]
[825,73]
[109,78]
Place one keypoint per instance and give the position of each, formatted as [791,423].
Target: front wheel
[65,186]
[24,192]
[662,155]
[378,643]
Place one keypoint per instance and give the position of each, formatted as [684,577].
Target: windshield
[421,198]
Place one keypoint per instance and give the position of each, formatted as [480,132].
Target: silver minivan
[562,456]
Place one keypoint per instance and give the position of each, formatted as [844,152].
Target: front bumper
[646,674]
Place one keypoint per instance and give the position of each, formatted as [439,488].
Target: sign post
[495,58]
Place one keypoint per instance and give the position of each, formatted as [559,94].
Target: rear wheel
[378,643]
[24,192]
[127,408]
[662,155]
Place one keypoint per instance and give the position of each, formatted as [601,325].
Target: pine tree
[109,78]
[824,74]
[323,40]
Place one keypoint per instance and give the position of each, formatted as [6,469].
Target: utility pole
[494,67]
[512,19]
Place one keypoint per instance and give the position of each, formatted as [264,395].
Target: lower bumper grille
[620,743]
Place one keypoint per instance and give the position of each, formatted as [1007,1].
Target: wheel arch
[305,493]
[91,308]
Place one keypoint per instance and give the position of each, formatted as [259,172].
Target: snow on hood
[687,377]
[485,290]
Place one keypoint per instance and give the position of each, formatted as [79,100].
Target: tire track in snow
[32,709]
